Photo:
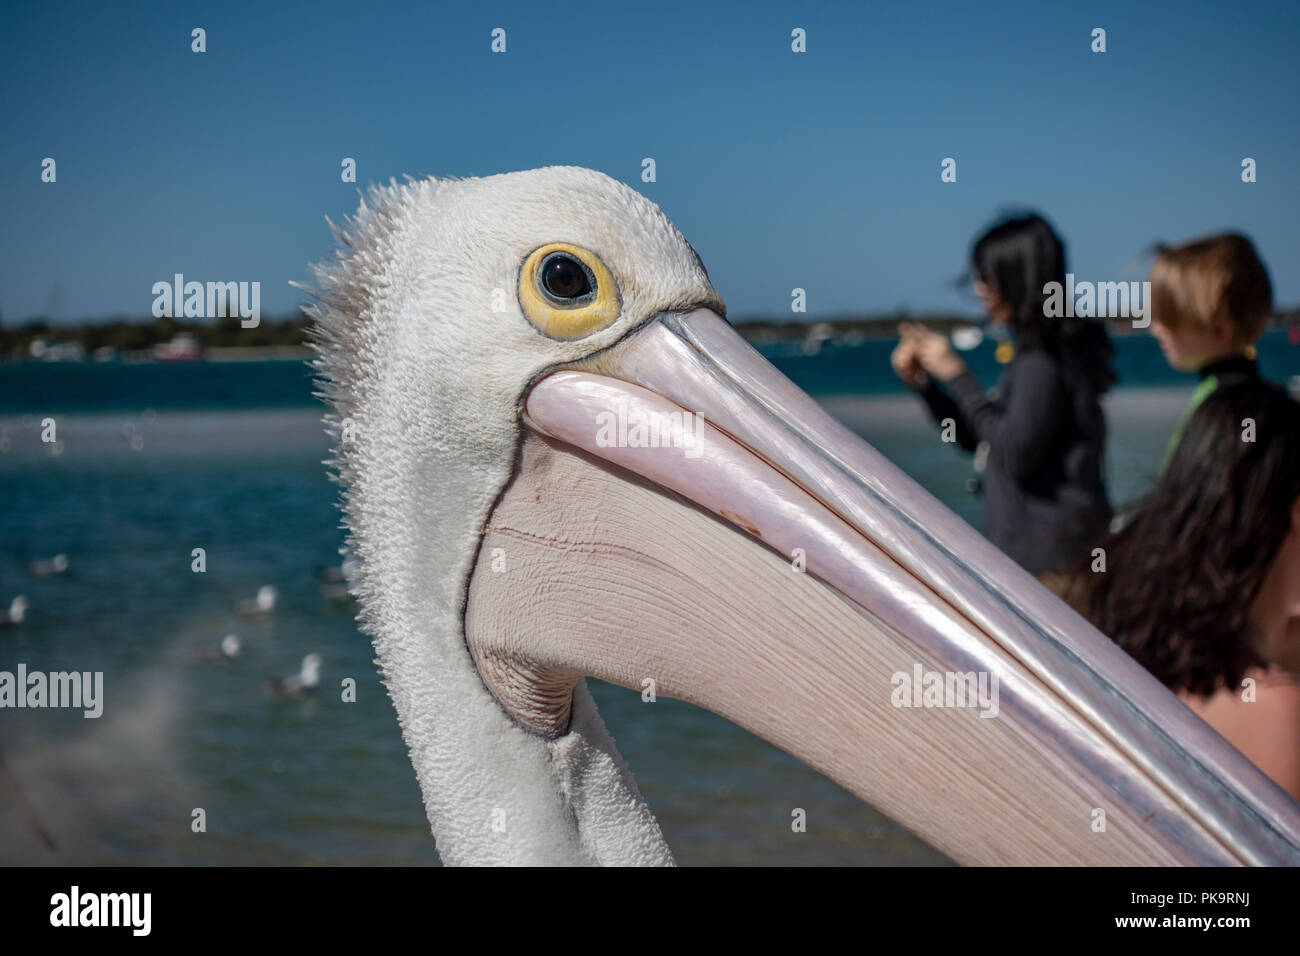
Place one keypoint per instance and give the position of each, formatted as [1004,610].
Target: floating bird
[337,591]
[55,565]
[16,611]
[263,603]
[228,648]
[331,575]
[300,684]
[560,461]
[334,582]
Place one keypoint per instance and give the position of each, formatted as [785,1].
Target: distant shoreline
[249,353]
[167,339]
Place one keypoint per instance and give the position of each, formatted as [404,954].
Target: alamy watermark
[636,427]
[82,690]
[1099,300]
[213,300]
[922,688]
[75,908]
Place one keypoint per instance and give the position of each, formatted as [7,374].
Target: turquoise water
[315,781]
[862,369]
[131,492]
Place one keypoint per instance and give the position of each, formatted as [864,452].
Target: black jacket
[1044,497]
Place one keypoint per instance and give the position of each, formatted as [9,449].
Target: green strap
[1203,391]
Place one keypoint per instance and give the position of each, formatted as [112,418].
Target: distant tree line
[136,334]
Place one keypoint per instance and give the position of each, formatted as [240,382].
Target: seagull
[55,565]
[331,575]
[300,684]
[263,603]
[226,649]
[334,582]
[559,461]
[335,591]
[15,613]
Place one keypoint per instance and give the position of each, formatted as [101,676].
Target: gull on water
[300,684]
[55,565]
[263,603]
[228,648]
[15,612]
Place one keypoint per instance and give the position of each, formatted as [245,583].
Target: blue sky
[818,170]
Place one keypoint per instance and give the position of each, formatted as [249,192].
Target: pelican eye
[566,280]
[566,292]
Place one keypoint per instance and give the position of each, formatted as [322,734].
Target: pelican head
[559,461]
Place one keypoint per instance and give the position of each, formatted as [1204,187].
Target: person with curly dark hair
[1202,587]
[1044,495]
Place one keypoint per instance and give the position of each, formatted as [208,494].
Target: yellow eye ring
[566,292]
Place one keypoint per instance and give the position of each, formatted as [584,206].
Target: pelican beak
[683,519]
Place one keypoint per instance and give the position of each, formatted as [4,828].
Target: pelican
[558,461]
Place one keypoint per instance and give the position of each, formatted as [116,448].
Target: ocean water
[860,369]
[154,461]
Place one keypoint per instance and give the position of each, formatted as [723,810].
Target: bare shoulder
[1278,691]
[1274,745]
[1262,720]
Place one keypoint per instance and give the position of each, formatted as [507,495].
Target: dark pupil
[564,278]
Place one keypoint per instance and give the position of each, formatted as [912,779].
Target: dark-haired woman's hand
[933,351]
[907,365]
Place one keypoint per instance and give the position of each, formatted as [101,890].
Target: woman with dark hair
[1045,500]
[1202,587]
